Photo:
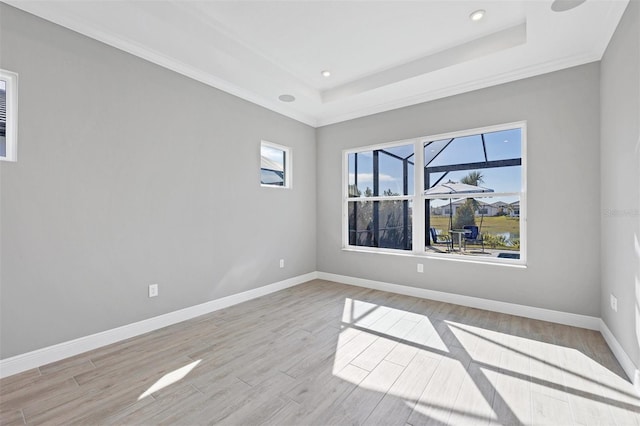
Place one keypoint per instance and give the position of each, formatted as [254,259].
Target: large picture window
[469,202]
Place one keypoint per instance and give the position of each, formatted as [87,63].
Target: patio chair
[440,239]
[474,237]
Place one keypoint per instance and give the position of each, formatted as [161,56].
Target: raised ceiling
[382,54]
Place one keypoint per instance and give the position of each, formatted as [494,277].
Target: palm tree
[473,178]
[467,211]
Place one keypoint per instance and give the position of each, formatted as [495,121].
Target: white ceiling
[382,54]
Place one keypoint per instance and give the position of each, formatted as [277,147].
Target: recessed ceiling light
[287,98]
[477,15]
[564,5]
[326,73]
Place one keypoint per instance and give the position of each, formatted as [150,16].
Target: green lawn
[490,224]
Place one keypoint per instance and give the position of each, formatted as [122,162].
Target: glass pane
[380,224]
[402,151]
[271,177]
[393,178]
[497,179]
[364,175]
[490,160]
[3,118]
[394,168]
[433,149]
[482,226]
[360,174]
[352,191]
[395,224]
[467,149]
[503,145]
[272,166]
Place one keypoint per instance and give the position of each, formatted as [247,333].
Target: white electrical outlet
[420,267]
[153,290]
[614,303]
[282,263]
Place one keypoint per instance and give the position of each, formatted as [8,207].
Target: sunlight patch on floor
[169,379]
[370,332]
[435,414]
[482,374]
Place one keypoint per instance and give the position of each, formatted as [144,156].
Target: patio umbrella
[454,188]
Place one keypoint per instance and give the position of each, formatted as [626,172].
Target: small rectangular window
[275,165]
[8,115]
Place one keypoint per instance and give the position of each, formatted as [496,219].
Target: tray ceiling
[381,54]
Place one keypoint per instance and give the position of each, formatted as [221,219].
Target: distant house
[501,208]
[484,209]
[440,211]
[514,210]
[487,209]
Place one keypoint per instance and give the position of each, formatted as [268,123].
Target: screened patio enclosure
[384,178]
[493,160]
[381,194]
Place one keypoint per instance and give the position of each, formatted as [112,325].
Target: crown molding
[307,110]
[468,86]
[49,13]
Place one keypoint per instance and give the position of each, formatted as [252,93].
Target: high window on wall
[8,115]
[275,165]
[459,195]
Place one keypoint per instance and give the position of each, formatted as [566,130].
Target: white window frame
[11,137]
[345,196]
[417,199]
[288,162]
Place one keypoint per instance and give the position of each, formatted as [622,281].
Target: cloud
[368,178]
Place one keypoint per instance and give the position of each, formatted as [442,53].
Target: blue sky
[499,146]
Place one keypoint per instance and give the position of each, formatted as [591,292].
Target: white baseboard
[40,357]
[623,358]
[576,320]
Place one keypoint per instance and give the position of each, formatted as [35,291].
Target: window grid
[418,227]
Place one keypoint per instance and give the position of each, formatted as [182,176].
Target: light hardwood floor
[325,353]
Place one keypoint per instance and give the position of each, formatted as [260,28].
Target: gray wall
[620,179]
[562,111]
[130,174]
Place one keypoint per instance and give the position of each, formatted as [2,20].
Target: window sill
[520,264]
[274,186]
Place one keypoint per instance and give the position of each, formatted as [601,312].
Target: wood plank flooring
[324,353]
